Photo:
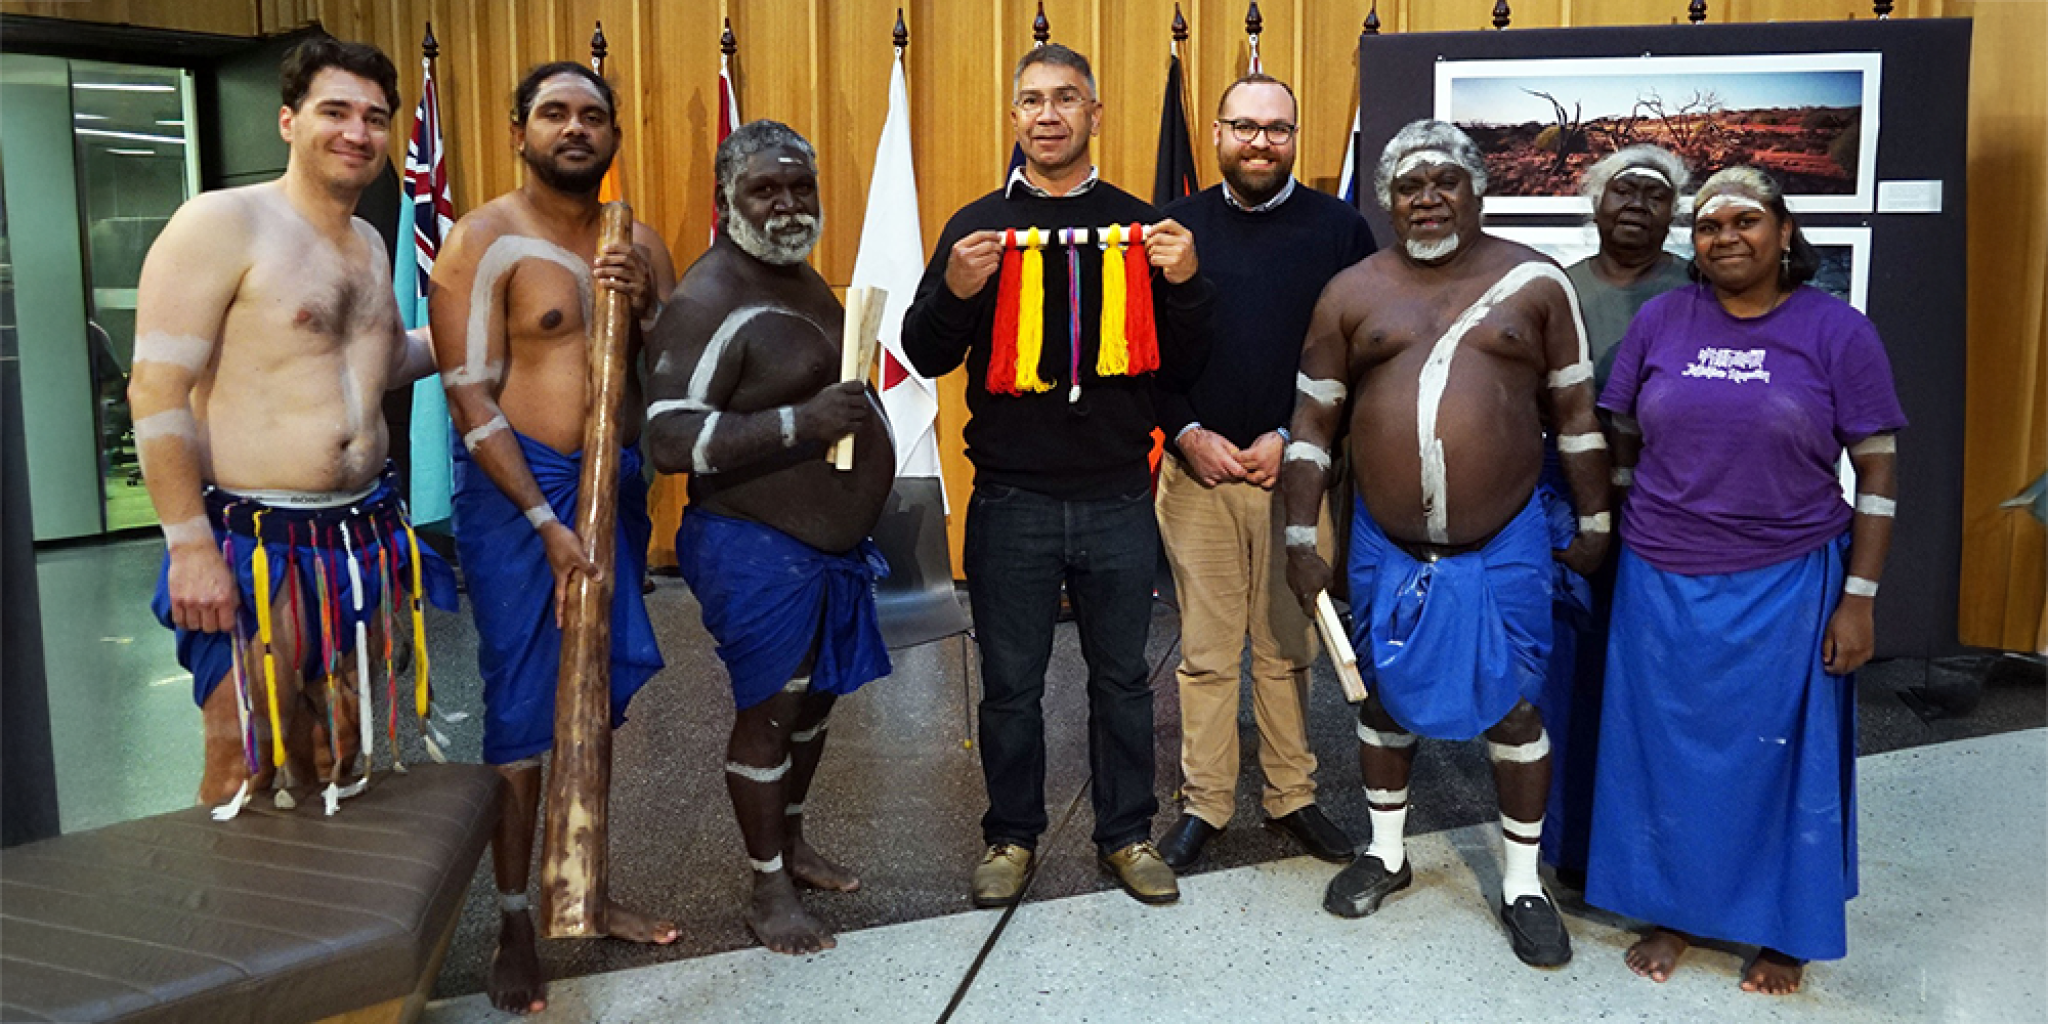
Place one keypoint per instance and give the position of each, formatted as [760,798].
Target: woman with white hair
[1725,802]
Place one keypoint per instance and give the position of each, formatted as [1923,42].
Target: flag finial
[728,43]
[1041,29]
[901,34]
[429,46]
[1500,14]
[599,48]
[1254,22]
[1180,25]
[1372,20]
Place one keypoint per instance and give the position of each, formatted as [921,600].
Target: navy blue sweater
[1268,269]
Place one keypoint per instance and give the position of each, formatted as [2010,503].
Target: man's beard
[774,242]
[1251,190]
[574,182]
[1431,252]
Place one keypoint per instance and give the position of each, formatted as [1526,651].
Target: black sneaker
[1358,889]
[1536,930]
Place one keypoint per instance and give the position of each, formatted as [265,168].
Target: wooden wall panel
[822,67]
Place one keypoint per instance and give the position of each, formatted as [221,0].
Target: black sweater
[1268,269]
[1097,447]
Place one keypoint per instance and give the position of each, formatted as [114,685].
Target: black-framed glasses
[1279,133]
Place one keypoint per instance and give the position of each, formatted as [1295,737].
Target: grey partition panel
[1917,269]
[917,602]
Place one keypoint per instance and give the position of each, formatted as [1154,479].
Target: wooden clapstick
[859,339]
[573,849]
[1339,645]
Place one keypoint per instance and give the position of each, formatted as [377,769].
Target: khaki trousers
[1227,549]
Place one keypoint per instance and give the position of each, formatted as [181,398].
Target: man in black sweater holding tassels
[1062,409]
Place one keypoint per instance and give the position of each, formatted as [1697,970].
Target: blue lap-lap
[768,597]
[301,540]
[512,589]
[1726,799]
[1449,646]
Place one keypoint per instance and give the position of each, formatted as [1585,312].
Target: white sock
[1518,876]
[1386,836]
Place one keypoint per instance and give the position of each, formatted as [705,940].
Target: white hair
[1426,134]
[1656,158]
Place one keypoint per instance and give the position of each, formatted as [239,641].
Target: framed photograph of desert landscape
[1809,118]
[1844,252]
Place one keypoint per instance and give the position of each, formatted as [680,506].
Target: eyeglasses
[1278,133]
[1066,101]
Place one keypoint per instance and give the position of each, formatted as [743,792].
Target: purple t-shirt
[1743,424]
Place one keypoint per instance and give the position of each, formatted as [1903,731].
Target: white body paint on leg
[497,261]
[1436,376]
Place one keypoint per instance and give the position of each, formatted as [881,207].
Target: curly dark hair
[320,52]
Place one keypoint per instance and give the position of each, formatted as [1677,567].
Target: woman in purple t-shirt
[1724,805]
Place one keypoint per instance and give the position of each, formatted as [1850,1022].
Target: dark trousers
[1020,547]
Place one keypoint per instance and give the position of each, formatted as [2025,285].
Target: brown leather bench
[274,916]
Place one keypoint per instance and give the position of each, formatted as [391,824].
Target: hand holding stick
[1331,629]
[858,344]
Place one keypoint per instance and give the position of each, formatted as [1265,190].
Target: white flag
[891,257]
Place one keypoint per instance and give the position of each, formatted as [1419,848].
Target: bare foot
[810,868]
[780,921]
[633,926]
[1656,954]
[1773,973]
[515,984]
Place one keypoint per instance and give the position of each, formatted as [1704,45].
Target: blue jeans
[1020,547]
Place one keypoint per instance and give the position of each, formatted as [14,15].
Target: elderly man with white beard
[745,397]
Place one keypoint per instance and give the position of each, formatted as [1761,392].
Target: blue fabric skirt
[1570,701]
[1450,645]
[512,593]
[768,597]
[1726,804]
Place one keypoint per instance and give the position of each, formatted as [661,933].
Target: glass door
[137,156]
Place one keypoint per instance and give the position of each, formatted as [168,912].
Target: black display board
[1917,267]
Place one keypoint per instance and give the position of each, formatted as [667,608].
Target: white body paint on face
[1436,375]
[1646,172]
[1729,201]
[570,83]
[498,260]
[182,350]
[1425,158]
[1321,392]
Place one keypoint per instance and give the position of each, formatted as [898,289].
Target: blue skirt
[1725,806]
[767,597]
[1451,645]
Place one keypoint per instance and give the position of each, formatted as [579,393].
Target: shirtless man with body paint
[745,397]
[1452,346]
[266,336]
[512,308]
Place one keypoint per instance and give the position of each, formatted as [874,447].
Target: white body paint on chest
[498,260]
[1436,376]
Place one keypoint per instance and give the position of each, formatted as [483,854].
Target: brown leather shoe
[999,878]
[1143,872]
